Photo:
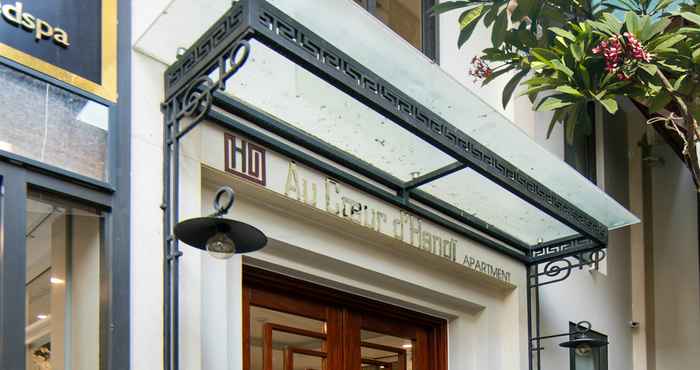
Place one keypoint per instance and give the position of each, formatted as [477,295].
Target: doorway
[291,324]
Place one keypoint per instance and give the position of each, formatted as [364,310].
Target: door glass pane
[305,362]
[382,351]
[293,342]
[62,284]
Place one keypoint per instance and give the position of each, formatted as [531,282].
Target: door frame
[114,305]
[257,278]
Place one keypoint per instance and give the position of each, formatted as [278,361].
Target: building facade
[342,127]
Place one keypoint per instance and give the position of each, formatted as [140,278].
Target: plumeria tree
[569,55]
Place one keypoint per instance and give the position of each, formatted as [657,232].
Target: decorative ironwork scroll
[196,100]
[560,269]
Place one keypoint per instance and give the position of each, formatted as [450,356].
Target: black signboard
[71,40]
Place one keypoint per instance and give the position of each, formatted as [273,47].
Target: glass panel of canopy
[279,88]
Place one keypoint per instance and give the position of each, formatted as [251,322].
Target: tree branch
[692,135]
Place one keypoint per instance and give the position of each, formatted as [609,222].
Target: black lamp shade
[196,231]
[584,340]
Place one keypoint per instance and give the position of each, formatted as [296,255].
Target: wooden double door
[294,325]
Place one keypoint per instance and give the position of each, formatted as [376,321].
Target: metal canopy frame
[190,94]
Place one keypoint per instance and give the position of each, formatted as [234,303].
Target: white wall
[146,192]
[456,61]
[675,264]
[604,299]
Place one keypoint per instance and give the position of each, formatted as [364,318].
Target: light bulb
[221,246]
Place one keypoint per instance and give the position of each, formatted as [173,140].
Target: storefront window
[46,123]
[405,17]
[62,285]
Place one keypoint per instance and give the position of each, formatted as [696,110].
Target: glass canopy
[271,83]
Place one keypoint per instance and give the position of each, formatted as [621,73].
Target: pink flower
[620,50]
[479,69]
[636,49]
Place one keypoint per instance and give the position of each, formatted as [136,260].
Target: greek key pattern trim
[561,247]
[204,49]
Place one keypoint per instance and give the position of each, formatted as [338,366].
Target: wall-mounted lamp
[580,338]
[219,236]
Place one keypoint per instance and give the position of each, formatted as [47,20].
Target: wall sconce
[581,339]
[219,236]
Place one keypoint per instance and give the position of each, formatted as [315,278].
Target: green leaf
[679,82]
[469,16]
[538,66]
[491,15]
[539,80]
[570,125]
[532,97]
[555,118]
[633,23]
[584,76]
[447,6]
[618,85]
[696,56]
[610,104]
[649,68]
[563,33]
[672,67]
[653,30]
[536,89]
[559,66]
[577,51]
[663,4]
[496,74]
[498,33]
[524,8]
[497,55]
[630,4]
[609,8]
[552,103]
[552,14]
[466,32]
[688,30]
[669,41]
[695,18]
[608,24]
[511,85]
[659,101]
[543,55]
[566,89]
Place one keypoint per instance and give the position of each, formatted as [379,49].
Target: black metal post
[165,206]
[529,318]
